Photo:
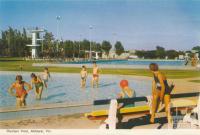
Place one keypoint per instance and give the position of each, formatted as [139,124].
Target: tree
[140,53]
[119,49]
[197,49]
[172,54]
[1,48]
[69,48]
[106,46]
[150,54]
[160,52]
[13,43]
[85,45]
[98,47]
[49,46]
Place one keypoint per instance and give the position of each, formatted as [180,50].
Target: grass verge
[13,64]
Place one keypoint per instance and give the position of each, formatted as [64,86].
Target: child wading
[83,76]
[21,92]
[36,80]
[95,75]
[45,76]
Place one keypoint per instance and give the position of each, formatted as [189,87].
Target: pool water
[135,62]
[66,88]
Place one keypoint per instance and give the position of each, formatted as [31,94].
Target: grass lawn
[196,81]
[13,64]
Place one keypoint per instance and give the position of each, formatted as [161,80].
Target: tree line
[13,44]
[161,53]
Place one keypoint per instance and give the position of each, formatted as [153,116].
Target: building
[113,55]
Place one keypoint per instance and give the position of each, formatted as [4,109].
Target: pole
[90,55]
[79,47]
[58,19]
[57,35]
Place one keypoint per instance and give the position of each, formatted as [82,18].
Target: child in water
[83,76]
[45,76]
[126,92]
[36,80]
[21,92]
[95,75]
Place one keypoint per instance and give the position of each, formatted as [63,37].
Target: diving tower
[34,45]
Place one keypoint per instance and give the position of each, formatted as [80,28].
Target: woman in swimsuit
[160,92]
[21,92]
[36,80]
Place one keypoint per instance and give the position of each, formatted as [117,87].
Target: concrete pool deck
[114,66]
[78,121]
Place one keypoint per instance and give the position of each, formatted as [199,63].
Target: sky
[138,24]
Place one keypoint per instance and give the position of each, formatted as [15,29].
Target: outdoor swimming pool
[65,88]
[135,62]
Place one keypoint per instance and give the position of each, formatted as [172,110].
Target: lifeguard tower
[34,45]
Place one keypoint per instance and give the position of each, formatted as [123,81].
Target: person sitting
[126,92]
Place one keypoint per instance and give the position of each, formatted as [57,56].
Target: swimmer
[36,80]
[83,76]
[21,92]
[45,76]
[126,92]
[160,92]
[95,75]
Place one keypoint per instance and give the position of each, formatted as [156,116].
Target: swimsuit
[95,75]
[45,77]
[38,84]
[20,90]
[126,105]
[158,86]
[45,80]
[83,78]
